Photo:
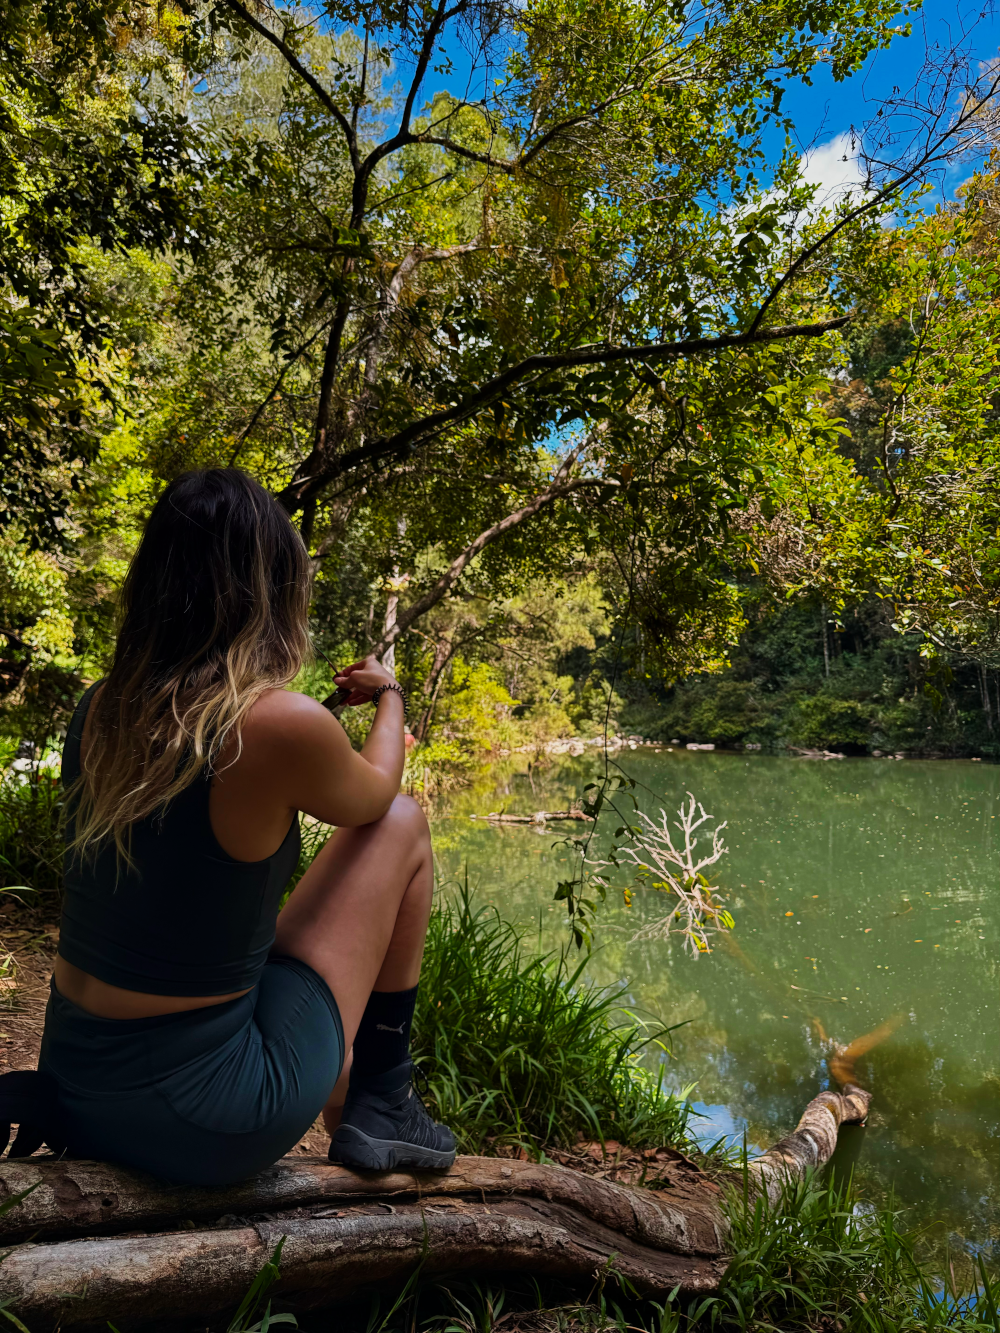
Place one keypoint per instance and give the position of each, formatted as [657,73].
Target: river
[865,892]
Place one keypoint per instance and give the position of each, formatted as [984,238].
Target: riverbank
[527,1064]
[576,746]
[524,1063]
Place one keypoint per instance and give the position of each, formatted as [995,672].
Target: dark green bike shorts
[204,1097]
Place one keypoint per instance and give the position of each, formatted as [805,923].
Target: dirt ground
[32,944]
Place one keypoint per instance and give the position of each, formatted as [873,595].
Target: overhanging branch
[421,432]
[560,486]
[933,153]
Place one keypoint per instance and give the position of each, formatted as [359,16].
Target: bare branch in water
[676,868]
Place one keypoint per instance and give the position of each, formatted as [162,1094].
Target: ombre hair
[213,612]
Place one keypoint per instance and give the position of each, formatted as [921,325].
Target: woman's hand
[363,679]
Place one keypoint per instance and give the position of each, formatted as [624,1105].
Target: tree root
[111,1244]
[813,1140]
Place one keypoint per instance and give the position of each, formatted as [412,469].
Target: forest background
[592,410]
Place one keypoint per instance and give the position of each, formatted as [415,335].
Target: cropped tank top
[186,918]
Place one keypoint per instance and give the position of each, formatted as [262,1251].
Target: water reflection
[889,873]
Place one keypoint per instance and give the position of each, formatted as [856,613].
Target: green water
[890,872]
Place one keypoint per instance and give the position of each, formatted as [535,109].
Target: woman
[192,1031]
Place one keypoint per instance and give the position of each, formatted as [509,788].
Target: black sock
[383,1039]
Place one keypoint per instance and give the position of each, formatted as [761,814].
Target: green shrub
[734,710]
[826,722]
[518,1050]
[31,842]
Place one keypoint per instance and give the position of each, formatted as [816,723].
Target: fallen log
[326,1261]
[343,1234]
[111,1244]
[539,817]
[812,1141]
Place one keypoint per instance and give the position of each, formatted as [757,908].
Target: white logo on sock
[381,1027]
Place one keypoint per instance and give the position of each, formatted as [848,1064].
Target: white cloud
[834,168]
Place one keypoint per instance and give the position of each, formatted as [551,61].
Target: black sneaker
[386,1125]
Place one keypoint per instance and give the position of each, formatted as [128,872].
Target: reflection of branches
[841,1059]
[678,870]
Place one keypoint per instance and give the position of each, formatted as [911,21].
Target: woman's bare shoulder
[286,716]
[282,704]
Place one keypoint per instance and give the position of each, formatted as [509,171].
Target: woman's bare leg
[359,916]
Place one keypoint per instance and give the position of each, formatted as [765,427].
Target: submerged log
[539,817]
[111,1244]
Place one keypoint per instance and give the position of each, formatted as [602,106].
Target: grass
[821,1259]
[520,1051]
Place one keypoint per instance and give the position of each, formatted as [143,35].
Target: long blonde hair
[213,612]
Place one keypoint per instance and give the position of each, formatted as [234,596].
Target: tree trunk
[392,602]
[826,641]
[443,651]
[391,608]
[110,1244]
[985,692]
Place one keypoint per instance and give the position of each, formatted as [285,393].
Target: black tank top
[187,919]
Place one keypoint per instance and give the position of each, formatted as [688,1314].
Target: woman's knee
[405,819]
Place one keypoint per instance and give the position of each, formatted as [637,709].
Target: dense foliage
[803,678]
[568,380]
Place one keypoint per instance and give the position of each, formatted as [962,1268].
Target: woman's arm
[321,774]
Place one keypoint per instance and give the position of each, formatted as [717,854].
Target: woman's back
[185,918]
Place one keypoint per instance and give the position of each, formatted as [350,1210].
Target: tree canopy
[496,301]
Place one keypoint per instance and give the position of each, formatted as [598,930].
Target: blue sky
[825,113]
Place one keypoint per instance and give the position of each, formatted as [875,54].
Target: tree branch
[331,358]
[526,155]
[557,488]
[426,47]
[241,438]
[302,488]
[932,153]
[420,432]
[305,74]
[391,293]
[403,136]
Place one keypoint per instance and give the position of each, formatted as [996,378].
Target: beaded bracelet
[397,689]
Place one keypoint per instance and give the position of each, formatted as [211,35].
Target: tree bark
[486,1215]
[326,1261]
[111,1244]
[443,651]
[79,1198]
